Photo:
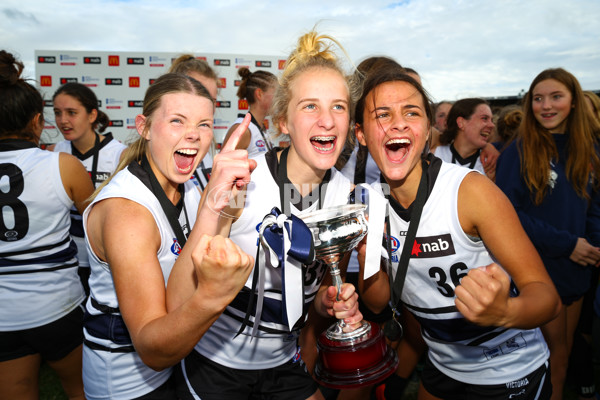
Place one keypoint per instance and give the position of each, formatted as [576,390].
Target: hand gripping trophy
[347,358]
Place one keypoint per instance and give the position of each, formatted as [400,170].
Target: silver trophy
[348,358]
[336,231]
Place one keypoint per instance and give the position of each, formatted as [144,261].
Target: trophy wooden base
[355,362]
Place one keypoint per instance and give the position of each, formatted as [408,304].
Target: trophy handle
[339,330]
[334,270]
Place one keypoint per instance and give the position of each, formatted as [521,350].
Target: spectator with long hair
[550,174]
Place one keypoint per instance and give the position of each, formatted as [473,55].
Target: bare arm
[244,140]
[483,296]
[76,180]
[375,291]
[489,157]
[116,229]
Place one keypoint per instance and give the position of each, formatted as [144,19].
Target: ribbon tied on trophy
[377,207]
[358,356]
[286,244]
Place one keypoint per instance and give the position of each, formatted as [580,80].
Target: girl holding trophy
[251,350]
[470,274]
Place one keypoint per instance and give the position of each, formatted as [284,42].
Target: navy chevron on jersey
[111,367]
[100,161]
[441,255]
[274,344]
[38,275]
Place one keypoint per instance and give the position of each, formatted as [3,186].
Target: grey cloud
[20,17]
[460,47]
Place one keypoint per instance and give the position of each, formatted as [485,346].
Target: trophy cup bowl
[347,358]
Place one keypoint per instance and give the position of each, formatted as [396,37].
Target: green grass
[50,387]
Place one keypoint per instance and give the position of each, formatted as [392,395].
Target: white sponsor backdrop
[120,80]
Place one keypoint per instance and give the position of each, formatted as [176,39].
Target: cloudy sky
[461,48]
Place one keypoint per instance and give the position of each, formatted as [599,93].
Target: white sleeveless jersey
[38,265]
[108,158]
[121,374]
[441,254]
[257,144]
[445,154]
[274,344]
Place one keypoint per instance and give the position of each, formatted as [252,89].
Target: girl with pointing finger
[140,224]
[248,353]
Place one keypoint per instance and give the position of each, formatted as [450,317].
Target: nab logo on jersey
[432,246]
[102,176]
[175,247]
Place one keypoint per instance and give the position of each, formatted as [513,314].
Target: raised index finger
[235,137]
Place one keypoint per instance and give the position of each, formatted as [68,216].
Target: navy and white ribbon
[376,211]
[287,244]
